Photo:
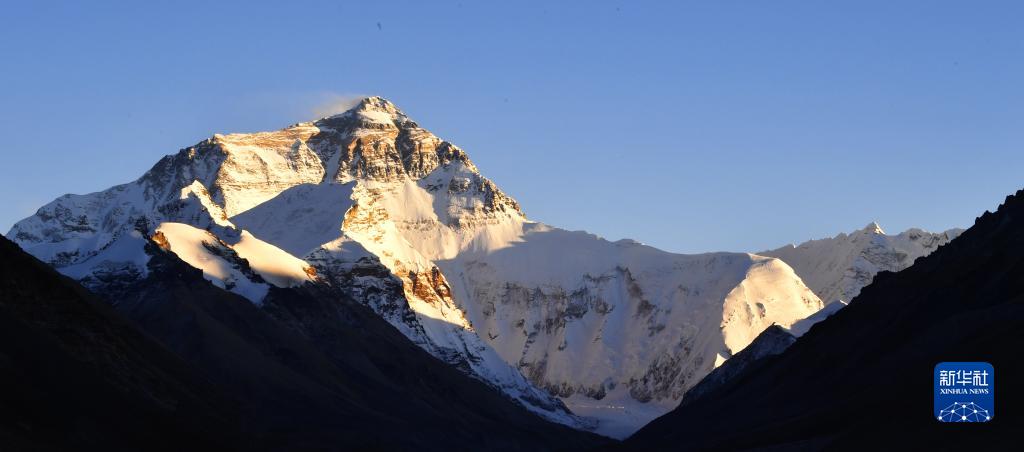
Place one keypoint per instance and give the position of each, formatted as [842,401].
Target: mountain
[837,268]
[377,209]
[303,371]
[864,376]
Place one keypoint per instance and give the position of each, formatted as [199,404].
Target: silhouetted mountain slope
[317,371]
[74,375]
[863,377]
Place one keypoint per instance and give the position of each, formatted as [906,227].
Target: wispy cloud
[333,104]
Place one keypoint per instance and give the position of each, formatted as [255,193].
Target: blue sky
[689,126]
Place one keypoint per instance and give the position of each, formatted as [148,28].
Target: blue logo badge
[964,392]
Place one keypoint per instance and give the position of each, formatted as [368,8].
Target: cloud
[333,104]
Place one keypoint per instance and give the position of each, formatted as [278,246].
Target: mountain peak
[375,103]
[373,112]
[873,228]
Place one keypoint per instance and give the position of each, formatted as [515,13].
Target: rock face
[383,211]
[837,268]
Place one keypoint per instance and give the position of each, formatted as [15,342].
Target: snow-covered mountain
[375,206]
[838,268]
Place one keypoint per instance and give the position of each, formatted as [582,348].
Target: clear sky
[689,126]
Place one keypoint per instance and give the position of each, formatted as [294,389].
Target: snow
[377,117]
[762,299]
[193,245]
[196,190]
[874,228]
[126,253]
[272,263]
[72,228]
[300,218]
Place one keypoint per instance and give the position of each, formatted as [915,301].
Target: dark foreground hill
[74,374]
[305,371]
[863,377]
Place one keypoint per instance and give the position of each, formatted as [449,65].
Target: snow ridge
[838,268]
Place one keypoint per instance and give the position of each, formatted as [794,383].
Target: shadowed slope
[73,374]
